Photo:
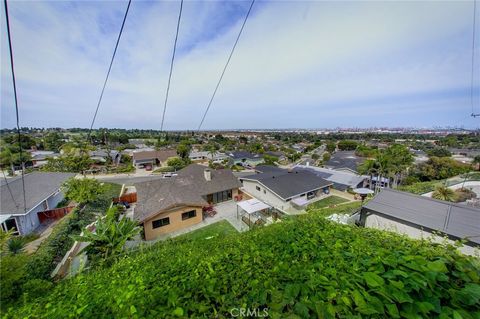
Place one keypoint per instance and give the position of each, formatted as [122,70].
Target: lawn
[327,202]
[216,230]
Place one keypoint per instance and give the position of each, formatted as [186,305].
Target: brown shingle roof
[188,188]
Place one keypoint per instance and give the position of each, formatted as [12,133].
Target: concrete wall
[176,222]
[383,223]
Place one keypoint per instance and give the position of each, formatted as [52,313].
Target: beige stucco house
[167,205]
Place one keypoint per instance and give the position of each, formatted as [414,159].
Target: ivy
[305,267]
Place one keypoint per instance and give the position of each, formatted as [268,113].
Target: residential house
[101,156]
[341,180]
[152,158]
[345,161]
[167,205]
[202,156]
[244,158]
[40,158]
[42,192]
[289,191]
[420,217]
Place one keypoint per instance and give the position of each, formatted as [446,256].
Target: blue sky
[312,64]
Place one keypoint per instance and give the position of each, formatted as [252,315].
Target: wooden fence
[56,213]
[129,198]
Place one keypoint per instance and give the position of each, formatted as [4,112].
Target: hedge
[305,267]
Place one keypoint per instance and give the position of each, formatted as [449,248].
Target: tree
[326,157]
[442,192]
[183,150]
[82,191]
[72,161]
[331,147]
[176,162]
[439,152]
[346,145]
[53,142]
[270,160]
[109,237]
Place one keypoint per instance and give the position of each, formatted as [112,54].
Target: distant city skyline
[297,65]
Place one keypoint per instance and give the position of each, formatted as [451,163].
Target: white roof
[300,201]
[340,177]
[4,218]
[252,205]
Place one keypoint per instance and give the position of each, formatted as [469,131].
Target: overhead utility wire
[16,104]
[226,65]
[473,60]
[109,69]
[171,65]
[9,189]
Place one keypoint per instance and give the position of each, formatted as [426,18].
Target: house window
[188,215]
[264,191]
[257,188]
[161,222]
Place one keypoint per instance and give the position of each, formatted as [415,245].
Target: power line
[226,65]
[171,64]
[9,189]
[473,59]
[109,69]
[16,103]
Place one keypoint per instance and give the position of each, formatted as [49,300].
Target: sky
[298,64]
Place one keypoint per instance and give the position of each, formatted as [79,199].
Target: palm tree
[442,192]
[109,237]
[15,245]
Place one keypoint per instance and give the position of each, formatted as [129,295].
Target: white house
[286,190]
[42,192]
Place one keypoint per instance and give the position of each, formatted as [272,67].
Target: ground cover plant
[304,267]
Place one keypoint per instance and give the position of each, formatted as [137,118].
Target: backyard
[327,202]
[217,230]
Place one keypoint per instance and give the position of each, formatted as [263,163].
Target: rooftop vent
[208,174]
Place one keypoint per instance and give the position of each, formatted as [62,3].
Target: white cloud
[298,64]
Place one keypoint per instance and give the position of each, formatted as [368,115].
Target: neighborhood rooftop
[188,187]
[288,183]
[456,220]
[38,186]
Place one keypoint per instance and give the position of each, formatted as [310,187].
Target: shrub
[304,267]
[82,190]
[12,272]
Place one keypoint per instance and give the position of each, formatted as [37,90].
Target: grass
[327,202]
[216,230]
[421,187]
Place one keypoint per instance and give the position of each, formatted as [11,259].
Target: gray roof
[38,186]
[289,183]
[344,159]
[456,220]
[244,155]
[341,180]
[187,188]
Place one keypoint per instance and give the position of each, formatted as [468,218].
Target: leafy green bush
[304,267]
[421,187]
[12,273]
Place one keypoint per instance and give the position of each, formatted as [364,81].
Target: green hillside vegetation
[305,267]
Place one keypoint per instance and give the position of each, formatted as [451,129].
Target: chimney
[208,174]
